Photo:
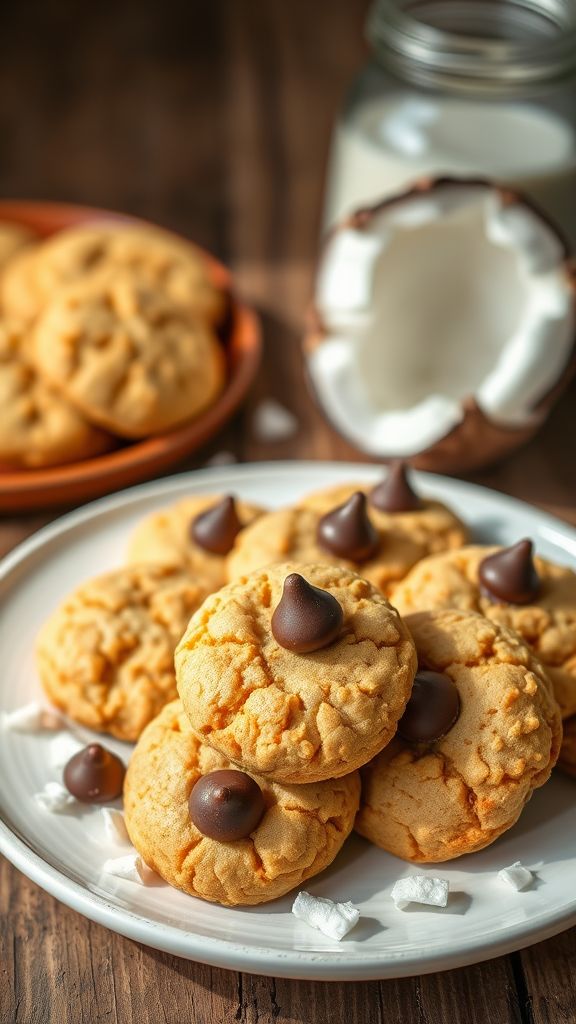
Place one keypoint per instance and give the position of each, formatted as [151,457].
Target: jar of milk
[465,88]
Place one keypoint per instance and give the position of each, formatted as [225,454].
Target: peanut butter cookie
[567,759]
[195,533]
[297,673]
[481,731]
[126,356]
[106,656]
[38,427]
[257,839]
[545,616]
[13,238]
[175,269]
[395,508]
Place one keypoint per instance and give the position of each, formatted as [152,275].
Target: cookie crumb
[516,876]
[432,892]
[273,422]
[54,798]
[332,919]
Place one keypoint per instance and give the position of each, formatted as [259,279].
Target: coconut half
[444,323]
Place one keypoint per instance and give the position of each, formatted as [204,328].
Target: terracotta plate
[57,485]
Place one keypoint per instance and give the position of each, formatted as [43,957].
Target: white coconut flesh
[438,297]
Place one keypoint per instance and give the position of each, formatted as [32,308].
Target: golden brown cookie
[106,655]
[548,624]
[13,238]
[38,427]
[126,356]
[175,269]
[435,800]
[567,759]
[167,537]
[295,717]
[430,526]
[300,833]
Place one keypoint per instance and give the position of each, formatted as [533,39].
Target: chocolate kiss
[94,775]
[307,618]
[395,494]
[510,575]
[432,710]
[226,805]
[216,529]
[348,532]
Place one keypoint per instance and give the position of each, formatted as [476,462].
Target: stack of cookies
[348,663]
[107,332]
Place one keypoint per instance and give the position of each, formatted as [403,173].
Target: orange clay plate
[22,489]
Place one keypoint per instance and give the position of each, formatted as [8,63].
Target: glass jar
[464,88]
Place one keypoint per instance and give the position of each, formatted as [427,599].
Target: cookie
[547,622]
[166,264]
[106,656]
[127,357]
[291,534]
[567,759]
[173,536]
[38,427]
[431,799]
[299,833]
[396,509]
[13,238]
[295,715]
[15,286]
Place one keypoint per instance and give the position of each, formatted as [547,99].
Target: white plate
[64,853]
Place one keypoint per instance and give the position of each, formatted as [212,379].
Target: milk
[388,143]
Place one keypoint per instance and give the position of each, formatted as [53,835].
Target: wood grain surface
[214,118]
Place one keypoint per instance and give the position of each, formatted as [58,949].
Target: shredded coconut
[273,422]
[130,867]
[516,876]
[332,919]
[432,892]
[54,798]
[33,717]
[114,826]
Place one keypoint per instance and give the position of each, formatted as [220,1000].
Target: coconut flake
[130,867]
[33,717]
[273,422]
[332,919]
[114,826]
[221,459]
[54,798]
[516,876]
[432,892]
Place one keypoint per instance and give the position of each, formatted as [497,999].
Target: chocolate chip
[94,775]
[306,618]
[348,532]
[432,710]
[395,494]
[510,575]
[226,805]
[216,529]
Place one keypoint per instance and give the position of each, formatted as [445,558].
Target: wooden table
[214,118]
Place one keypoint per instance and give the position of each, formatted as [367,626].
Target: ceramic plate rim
[291,963]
